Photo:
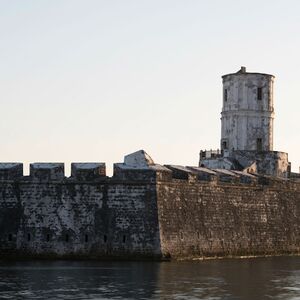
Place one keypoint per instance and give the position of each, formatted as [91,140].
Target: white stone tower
[248,112]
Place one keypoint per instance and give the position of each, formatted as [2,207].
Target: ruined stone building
[247,127]
[241,200]
[248,111]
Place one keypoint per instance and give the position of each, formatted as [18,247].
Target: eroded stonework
[145,211]
[248,111]
[247,127]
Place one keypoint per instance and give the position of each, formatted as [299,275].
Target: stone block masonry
[47,215]
[145,211]
[202,219]
[69,218]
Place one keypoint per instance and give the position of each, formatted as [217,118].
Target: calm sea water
[259,278]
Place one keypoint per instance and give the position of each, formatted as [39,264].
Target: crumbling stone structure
[248,111]
[247,127]
[145,211]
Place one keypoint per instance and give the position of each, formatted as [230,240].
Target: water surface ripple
[249,279]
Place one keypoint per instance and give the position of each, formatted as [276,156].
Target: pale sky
[94,80]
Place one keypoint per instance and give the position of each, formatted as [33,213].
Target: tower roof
[243,70]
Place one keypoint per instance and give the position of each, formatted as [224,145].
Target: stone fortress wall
[233,216]
[87,214]
[145,211]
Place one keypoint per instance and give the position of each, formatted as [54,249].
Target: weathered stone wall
[107,218]
[199,219]
[148,211]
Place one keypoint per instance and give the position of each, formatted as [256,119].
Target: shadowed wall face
[78,219]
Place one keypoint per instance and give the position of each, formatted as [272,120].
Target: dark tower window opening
[86,238]
[124,239]
[225,95]
[259,93]
[67,238]
[105,238]
[28,237]
[48,237]
[224,145]
[259,144]
[9,237]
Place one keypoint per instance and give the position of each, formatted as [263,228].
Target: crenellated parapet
[139,166]
[48,171]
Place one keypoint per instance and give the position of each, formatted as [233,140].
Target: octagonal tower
[248,112]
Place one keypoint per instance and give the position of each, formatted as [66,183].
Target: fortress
[241,200]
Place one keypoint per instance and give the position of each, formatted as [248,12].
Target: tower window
[225,95]
[259,144]
[67,238]
[28,237]
[259,93]
[48,237]
[86,238]
[105,238]
[9,237]
[224,145]
[124,239]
